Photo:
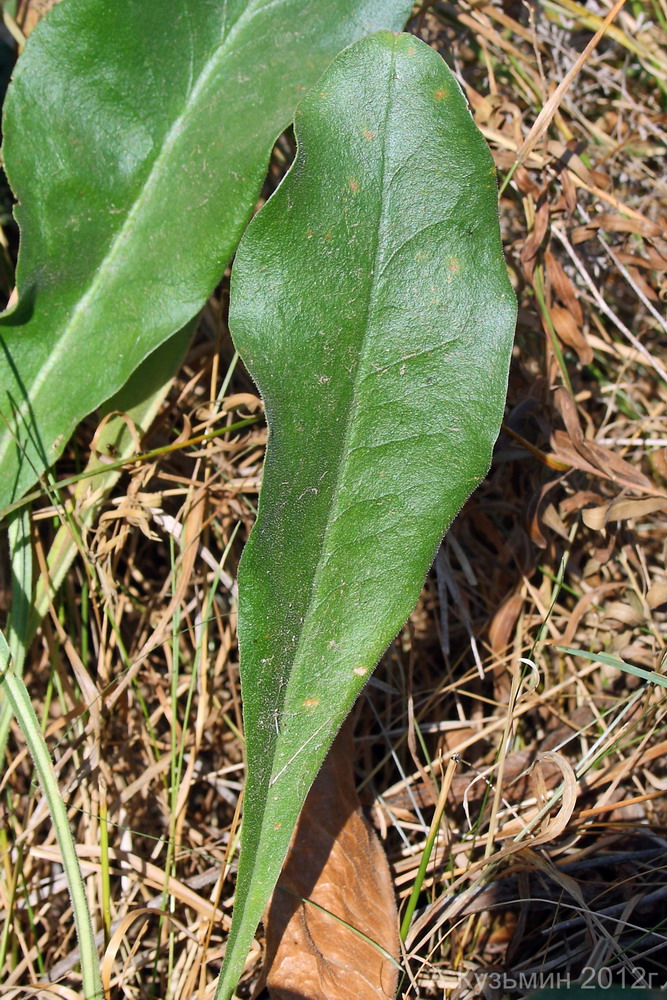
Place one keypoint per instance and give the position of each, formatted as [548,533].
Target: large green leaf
[371,303]
[136,137]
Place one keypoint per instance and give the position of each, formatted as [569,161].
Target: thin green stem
[104,860]
[17,694]
[428,849]
[538,285]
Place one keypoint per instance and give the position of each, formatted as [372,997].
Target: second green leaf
[372,306]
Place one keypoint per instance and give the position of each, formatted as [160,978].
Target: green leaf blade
[136,139]
[371,304]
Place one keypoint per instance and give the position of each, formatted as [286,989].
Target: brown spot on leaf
[354,185]
[440,94]
[369,135]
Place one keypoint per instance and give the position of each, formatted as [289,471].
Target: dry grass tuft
[552,853]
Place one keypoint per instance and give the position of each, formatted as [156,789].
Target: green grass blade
[609,660]
[17,695]
[20,549]
[18,626]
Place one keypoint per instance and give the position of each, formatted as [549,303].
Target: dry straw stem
[541,123]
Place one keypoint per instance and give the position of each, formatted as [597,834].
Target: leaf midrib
[153,180]
[353,408]
[263,821]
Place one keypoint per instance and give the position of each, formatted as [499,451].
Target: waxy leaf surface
[371,304]
[136,138]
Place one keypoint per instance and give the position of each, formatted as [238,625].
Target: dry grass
[134,670]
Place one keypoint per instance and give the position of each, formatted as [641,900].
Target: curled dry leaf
[614,223]
[536,511]
[624,612]
[571,447]
[570,333]
[242,400]
[534,241]
[553,827]
[569,157]
[621,508]
[562,286]
[552,519]
[652,259]
[657,595]
[583,605]
[331,926]
[503,622]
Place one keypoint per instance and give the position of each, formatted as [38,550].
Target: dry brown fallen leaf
[621,508]
[570,447]
[503,622]
[336,862]
[563,286]
[570,333]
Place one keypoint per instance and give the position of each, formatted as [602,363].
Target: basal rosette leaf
[372,306]
[136,138]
